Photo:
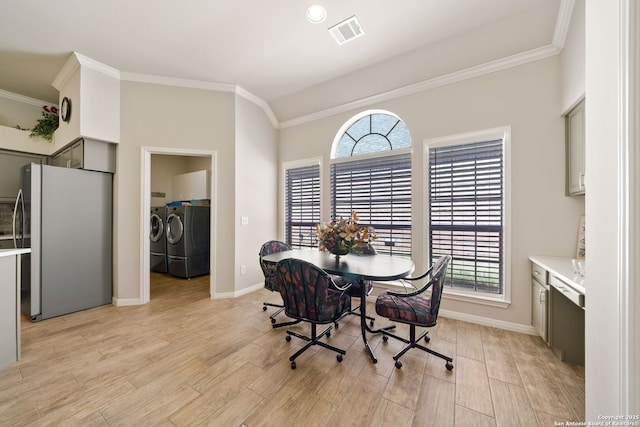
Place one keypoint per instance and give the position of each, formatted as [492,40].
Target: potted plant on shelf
[46,125]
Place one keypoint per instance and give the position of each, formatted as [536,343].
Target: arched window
[371,174]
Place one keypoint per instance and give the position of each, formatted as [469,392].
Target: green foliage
[45,126]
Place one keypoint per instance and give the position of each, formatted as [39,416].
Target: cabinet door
[8,316]
[76,155]
[575,150]
[539,298]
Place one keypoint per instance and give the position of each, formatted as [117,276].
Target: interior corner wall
[572,66]
[256,190]
[170,117]
[543,220]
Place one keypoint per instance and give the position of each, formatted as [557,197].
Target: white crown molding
[565,12]
[23,99]
[260,103]
[177,82]
[76,60]
[97,66]
[458,76]
[66,72]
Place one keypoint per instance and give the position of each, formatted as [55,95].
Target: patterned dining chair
[310,295]
[415,309]
[269,271]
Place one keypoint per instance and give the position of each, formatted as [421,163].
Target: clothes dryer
[188,240]
[158,240]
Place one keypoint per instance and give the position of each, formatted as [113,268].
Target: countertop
[562,268]
[12,252]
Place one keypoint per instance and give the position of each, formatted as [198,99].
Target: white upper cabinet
[192,186]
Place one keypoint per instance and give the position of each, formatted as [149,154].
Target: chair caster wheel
[398,364]
[328,334]
[293,365]
[264,308]
[339,357]
[335,325]
[427,338]
[288,338]
[385,338]
[449,366]
[371,323]
[273,320]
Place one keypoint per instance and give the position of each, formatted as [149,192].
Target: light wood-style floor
[184,359]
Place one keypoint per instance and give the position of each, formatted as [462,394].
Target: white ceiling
[266,46]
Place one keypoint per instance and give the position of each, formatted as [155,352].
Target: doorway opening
[194,159]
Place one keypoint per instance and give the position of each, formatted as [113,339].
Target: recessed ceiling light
[316,13]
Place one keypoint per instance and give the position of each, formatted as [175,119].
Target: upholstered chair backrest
[306,290]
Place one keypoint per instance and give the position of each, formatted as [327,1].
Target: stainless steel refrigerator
[67,223]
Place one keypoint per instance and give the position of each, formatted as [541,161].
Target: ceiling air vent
[346,30]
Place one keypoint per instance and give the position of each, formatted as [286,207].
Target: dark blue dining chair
[415,309]
[310,295]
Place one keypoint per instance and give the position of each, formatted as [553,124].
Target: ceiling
[267,47]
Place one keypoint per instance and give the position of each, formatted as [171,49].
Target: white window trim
[351,121]
[293,164]
[503,133]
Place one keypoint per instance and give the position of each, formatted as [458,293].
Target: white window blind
[379,190]
[302,206]
[466,213]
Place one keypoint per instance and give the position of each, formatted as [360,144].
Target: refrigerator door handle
[19,201]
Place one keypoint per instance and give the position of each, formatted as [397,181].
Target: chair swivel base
[413,343]
[313,340]
[355,312]
[275,313]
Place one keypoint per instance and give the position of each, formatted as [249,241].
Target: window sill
[476,298]
[457,295]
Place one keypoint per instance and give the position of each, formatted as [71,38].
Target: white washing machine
[188,237]
[158,240]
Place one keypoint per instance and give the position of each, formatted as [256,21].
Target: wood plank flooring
[186,360]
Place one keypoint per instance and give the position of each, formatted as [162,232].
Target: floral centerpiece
[343,236]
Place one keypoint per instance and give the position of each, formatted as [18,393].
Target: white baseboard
[235,294]
[121,302]
[485,321]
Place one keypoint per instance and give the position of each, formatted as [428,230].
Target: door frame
[145,202]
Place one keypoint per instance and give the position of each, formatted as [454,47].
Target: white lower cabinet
[557,307]
[539,301]
[9,306]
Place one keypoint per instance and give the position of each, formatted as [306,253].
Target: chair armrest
[341,288]
[410,294]
[411,279]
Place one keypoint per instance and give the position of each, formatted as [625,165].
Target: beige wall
[163,116]
[256,189]
[544,221]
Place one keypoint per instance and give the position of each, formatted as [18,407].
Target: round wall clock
[65,109]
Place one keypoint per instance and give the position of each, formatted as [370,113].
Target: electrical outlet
[244,220]
[243,269]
